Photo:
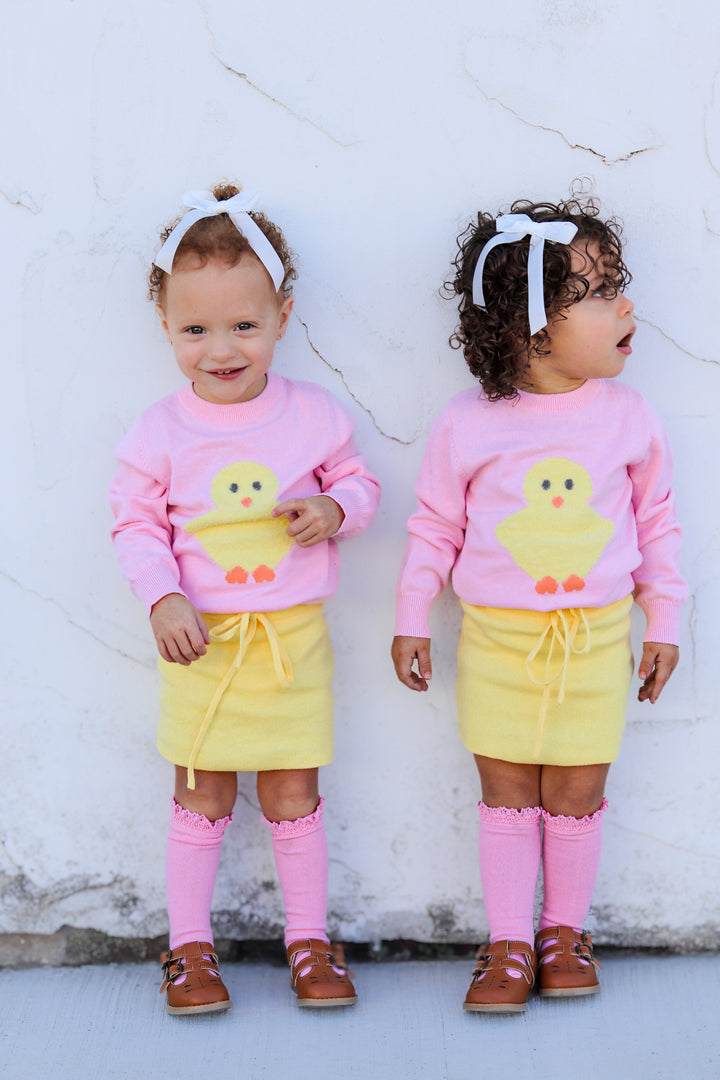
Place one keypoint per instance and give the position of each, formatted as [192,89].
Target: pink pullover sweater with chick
[548,501]
[196,483]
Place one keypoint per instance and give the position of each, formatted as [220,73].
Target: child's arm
[657,665]
[405,651]
[141,530]
[312,520]
[350,491]
[659,587]
[141,533]
[436,535]
[180,631]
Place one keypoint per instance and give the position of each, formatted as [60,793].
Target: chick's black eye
[233,488]
[545,485]
[569,484]
[257,485]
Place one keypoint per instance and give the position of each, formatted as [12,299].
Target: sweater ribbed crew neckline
[242,412]
[556,403]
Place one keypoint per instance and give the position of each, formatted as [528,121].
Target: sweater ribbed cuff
[354,505]
[413,613]
[663,622]
[154,583]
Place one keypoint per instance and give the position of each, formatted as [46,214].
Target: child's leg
[289,801]
[199,819]
[291,807]
[509,863]
[573,807]
[509,846]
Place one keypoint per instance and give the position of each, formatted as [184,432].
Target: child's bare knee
[213,796]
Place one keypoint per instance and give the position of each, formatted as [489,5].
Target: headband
[203,204]
[512,227]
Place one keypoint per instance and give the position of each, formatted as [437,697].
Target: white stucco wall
[373,131]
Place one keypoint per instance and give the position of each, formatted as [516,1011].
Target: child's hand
[657,665]
[180,631]
[312,520]
[405,650]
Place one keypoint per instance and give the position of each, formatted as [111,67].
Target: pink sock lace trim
[282,830]
[198,822]
[561,823]
[529,815]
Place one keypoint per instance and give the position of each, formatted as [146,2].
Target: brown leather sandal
[314,978]
[566,963]
[492,989]
[192,979]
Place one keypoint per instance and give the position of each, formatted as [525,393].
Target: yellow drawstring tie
[564,627]
[244,626]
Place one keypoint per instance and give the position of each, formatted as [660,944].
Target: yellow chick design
[239,534]
[557,538]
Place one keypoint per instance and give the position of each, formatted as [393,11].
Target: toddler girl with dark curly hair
[547,495]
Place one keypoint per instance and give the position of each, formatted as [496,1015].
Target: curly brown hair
[496,339]
[217,237]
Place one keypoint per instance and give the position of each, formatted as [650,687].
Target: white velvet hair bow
[512,227]
[203,204]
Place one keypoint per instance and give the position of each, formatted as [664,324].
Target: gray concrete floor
[656,1018]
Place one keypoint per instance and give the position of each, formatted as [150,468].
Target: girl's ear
[163,321]
[284,317]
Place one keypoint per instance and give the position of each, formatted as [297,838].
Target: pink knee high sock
[571,857]
[193,855]
[301,857]
[509,864]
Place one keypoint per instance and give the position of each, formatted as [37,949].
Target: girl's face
[222,322]
[590,339]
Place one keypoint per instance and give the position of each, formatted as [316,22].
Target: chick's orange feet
[573,583]
[318,974]
[503,978]
[191,976]
[236,576]
[567,964]
[546,585]
[263,573]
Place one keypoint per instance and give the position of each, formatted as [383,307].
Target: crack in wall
[281,104]
[337,371]
[692,630]
[710,105]
[21,889]
[666,843]
[556,131]
[708,226]
[78,626]
[692,355]
[24,199]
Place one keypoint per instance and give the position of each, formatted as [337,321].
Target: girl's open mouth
[624,344]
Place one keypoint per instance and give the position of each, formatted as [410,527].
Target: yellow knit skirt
[545,687]
[260,698]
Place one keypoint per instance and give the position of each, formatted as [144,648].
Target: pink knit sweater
[551,501]
[196,483]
